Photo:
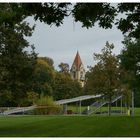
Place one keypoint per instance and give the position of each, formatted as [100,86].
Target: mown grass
[69,126]
[137,111]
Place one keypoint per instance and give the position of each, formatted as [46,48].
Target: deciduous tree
[65,87]
[105,14]
[103,78]
[64,67]
[16,64]
[44,76]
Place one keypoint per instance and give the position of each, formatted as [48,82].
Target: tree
[32,97]
[65,87]
[13,30]
[105,14]
[48,60]
[103,78]
[16,64]
[64,68]
[130,58]
[44,76]
[50,13]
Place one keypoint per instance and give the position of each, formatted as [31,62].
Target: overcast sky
[61,43]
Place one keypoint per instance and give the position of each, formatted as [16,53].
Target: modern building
[77,70]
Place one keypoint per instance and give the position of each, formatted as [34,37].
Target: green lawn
[69,126]
[137,111]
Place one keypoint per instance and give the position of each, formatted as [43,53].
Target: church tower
[77,70]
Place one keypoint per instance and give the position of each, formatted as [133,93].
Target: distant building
[77,70]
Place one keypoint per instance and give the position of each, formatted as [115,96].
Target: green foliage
[105,14]
[88,14]
[24,102]
[64,68]
[50,13]
[104,77]
[16,64]
[137,98]
[130,24]
[45,101]
[5,98]
[65,87]
[47,106]
[43,76]
[48,60]
[20,73]
[32,96]
[130,58]
[127,93]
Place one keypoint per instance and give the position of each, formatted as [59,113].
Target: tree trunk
[109,108]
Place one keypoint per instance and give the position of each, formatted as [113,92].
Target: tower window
[82,76]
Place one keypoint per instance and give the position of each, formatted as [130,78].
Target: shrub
[47,106]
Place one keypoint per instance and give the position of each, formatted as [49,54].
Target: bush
[47,106]
[5,98]
[32,96]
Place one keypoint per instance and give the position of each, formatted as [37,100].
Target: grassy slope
[71,126]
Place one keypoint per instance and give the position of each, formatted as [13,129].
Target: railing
[32,110]
[14,110]
[98,104]
[55,110]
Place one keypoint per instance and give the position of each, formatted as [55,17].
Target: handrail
[98,104]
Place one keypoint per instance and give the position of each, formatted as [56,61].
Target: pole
[125,108]
[132,103]
[76,107]
[80,107]
[65,108]
[108,108]
[116,104]
[121,105]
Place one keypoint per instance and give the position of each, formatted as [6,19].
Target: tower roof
[77,61]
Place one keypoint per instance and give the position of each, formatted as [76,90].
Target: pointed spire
[77,61]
